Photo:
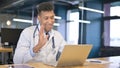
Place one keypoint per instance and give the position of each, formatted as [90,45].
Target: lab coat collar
[51,33]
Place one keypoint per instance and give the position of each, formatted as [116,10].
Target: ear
[39,18]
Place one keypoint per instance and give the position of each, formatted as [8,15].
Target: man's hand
[42,40]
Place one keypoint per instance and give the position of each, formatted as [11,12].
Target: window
[112,24]
[73,27]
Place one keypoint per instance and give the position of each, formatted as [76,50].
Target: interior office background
[102,31]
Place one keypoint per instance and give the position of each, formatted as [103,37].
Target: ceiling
[26,6]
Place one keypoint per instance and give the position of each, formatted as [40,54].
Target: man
[40,43]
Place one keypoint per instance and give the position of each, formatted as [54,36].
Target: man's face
[46,18]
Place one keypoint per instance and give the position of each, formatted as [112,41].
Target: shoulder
[57,33]
[59,39]
[29,29]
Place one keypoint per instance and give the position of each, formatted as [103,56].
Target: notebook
[74,55]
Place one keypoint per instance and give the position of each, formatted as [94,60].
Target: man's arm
[22,52]
[42,40]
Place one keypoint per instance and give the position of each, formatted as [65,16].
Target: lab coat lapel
[49,43]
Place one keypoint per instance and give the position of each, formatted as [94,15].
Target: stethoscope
[37,29]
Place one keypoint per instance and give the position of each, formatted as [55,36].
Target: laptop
[74,55]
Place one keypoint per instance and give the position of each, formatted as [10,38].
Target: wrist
[36,48]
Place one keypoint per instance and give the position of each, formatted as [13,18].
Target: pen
[96,61]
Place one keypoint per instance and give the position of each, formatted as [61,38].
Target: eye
[52,17]
[45,18]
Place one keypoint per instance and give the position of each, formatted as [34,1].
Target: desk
[114,64]
[3,51]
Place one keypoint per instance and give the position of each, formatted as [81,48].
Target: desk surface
[114,63]
[2,49]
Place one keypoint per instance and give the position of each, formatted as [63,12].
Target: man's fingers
[41,29]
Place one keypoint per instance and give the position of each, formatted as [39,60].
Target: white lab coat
[47,54]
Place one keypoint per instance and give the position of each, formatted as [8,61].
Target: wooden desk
[114,64]
[3,51]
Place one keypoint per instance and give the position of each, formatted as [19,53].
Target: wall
[3,20]
[93,30]
[61,11]
[5,17]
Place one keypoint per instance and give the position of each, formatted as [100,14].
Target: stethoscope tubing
[36,28]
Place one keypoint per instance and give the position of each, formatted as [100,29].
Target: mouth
[49,25]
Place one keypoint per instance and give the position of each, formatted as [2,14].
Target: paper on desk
[97,61]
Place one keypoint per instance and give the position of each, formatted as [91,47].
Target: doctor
[40,43]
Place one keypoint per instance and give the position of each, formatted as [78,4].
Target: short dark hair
[45,6]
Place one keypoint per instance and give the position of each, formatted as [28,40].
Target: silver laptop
[74,55]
